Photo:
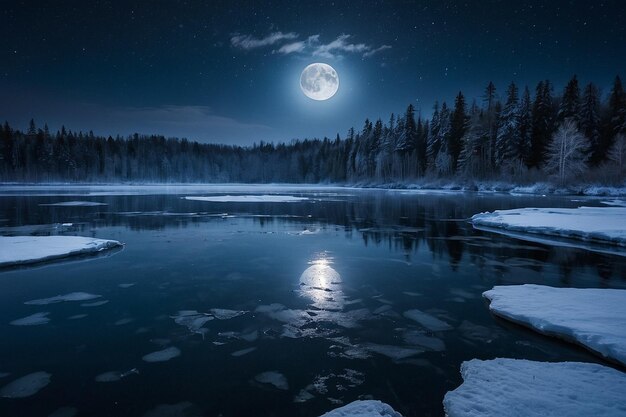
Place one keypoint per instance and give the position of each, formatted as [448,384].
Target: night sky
[228,71]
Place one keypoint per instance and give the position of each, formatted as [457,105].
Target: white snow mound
[18,250]
[367,408]
[595,224]
[515,387]
[592,317]
[266,198]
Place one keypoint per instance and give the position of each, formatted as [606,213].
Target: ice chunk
[126,285]
[64,412]
[75,204]
[242,352]
[303,396]
[111,376]
[162,355]
[515,387]
[26,386]
[32,320]
[73,296]
[193,320]
[18,250]
[418,338]
[225,314]
[266,198]
[273,378]
[430,322]
[124,321]
[364,408]
[77,317]
[95,303]
[594,317]
[597,224]
[393,352]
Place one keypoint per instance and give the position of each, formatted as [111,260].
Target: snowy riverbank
[21,250]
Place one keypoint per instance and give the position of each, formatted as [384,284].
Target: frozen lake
[233,303]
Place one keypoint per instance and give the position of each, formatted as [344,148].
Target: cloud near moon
[319,81]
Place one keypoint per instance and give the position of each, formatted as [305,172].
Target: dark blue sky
[228,71]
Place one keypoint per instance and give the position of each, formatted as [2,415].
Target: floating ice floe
[418,338]
[75,204]
[428,321]
[193,321]
[95,303]
[274,378]
[32,320]
[126,285]
[225,314]
[515,387]
[162,355]
[77,317]
[366,408]
[593,317]
[124,321]
[113,376]
[594,224]
[26,386]
[20,250]
[64,412]
[242,352]
[73,296]
[265,198]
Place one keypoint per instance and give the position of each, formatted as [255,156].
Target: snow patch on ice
[73,296]
[19,250]
[32,320]
[364,408]
[428,321]
[162,355]
[594,224]
[515,387]
[594,317]
[26,386]
[274,378]
[75,204]
[266,198]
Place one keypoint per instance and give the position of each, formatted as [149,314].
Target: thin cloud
[375,51]
[250,42]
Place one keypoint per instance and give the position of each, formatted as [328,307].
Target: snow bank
[595,318]
[513,387]
[596,224]
[75,204]
[368,408]
[266,198]
[19,250]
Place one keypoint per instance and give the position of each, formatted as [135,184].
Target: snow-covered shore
[516,387]
[21,250]
[594,318]
[593,224]
[542,188]
[365,408]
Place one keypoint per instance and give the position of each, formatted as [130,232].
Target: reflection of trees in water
[403,223]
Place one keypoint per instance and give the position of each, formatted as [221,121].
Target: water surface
[351,294]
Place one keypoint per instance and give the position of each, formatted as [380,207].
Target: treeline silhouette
[573,135]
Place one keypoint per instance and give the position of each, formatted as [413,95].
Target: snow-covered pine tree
[508,132]
[589,120]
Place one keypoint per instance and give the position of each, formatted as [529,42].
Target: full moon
[319,81]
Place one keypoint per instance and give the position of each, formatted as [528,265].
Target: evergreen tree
[570,103]
[542,124]
[458,125]
[521,150]
[589,121]
[508,133]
